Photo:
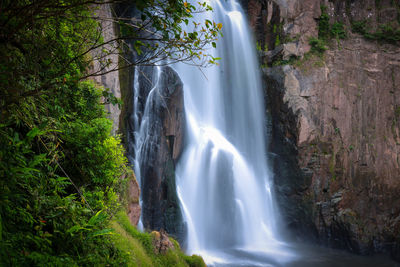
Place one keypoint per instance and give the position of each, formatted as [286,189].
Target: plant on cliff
[384,33]
[317,45]
[326,31]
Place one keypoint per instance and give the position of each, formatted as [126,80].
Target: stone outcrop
[133,205]
[156,121]
[161,242]
[160,151]
[152,124]
[335,122]
[105,61]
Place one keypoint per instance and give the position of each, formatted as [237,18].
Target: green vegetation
[138,250]
[326,31]
[158,34]
[338,31]
[318,45]
[384,33]
[61,169]
[323,24]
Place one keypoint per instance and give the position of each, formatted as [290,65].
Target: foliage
[141,246]
[61,170]
[317,45]
[323,23]
[359,26]
[44,219]
[167,30]
[327,30]
[338,31]
[384,33]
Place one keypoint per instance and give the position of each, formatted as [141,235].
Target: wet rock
[160,115]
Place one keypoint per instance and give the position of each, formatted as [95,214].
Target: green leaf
[102,232]
[76,228]
[214,44]
[100,216]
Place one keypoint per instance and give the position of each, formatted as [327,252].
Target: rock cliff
[335,118]
[153,128]
[104,70]
[105,61]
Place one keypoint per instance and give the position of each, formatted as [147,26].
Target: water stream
[223,181]
[222,178]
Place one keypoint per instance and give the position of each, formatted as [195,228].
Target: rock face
[134,209]
[102,68]
[104,63]
[162,147]
[154,131]
[335,122]
[152,123]
[161,242]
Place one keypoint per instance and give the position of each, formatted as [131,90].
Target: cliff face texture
[162,135]
[106,60]
[153,127]
[335,120]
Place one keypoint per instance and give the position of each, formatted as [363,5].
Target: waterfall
[222,178]
[223,181]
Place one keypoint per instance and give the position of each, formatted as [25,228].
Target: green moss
[139,250]
[359,26]
[281,62]
[258,47]
[277,41]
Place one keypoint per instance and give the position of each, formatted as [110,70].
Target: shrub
[323,23]
[338,30]
[317,45]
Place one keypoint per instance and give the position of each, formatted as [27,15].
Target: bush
[323,23]
[317,45]
[384,33]
[338,30]
[359,26]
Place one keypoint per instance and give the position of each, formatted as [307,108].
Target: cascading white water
[223,181]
